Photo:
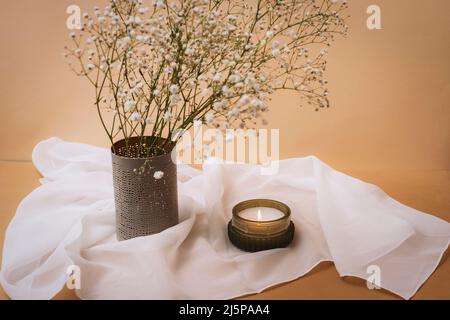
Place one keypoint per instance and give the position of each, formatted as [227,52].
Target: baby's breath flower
[256,103]
[180,65]
[141,38]
[233,113]
[158,175]
[225,90]
[235,78]
[244,100]
[218,105]
[135,116]
[129,105]
[158,3]
[174,89]
[143,10]
[167,116]
[323,52]
[209,117]
[217,77]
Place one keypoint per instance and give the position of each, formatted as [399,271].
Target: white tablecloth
[69,220]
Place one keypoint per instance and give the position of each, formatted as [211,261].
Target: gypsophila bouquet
[159,69]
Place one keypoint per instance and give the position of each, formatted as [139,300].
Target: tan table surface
[426,191]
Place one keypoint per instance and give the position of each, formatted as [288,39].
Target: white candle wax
[261,214]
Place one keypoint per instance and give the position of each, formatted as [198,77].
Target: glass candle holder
[261,224]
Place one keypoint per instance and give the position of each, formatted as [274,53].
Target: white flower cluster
[161,67]
[158,175]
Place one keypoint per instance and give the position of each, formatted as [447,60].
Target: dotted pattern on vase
[144,205]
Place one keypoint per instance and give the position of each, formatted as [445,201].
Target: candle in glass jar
[261,214]
[261,224]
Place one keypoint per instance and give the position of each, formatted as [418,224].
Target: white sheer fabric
[69,220]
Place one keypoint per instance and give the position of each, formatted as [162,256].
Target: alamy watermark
[73,21]
[253,146]
[374,279]
[374,19]
[73,277]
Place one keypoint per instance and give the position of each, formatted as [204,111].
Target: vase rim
[140,158]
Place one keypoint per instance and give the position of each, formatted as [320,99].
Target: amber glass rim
[254,203]
[261,228]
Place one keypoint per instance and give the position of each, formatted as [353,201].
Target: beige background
[389,121]
[390,89]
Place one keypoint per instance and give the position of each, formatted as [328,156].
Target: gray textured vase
[144,204]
